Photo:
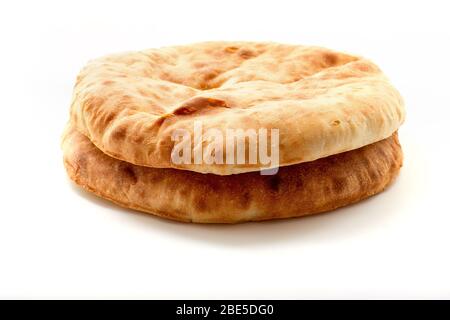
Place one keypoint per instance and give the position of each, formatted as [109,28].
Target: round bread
[296,190]
[323,102]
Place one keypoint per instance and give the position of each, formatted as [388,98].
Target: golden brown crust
[296,190]
[323,102]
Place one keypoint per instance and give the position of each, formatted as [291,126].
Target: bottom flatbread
[297,190]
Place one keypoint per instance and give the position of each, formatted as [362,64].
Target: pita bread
[323,102]
[296,190]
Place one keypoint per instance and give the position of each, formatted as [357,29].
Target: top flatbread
[323,102]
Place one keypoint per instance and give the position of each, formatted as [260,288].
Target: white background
[57,241]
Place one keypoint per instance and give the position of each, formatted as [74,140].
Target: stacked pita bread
[337,117]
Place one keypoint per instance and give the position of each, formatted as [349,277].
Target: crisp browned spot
[128,173]
[110,117]
[119,133]
[246,54]
[336,123]
[200,65]
[197,104]
[274,183]
[204,86]
[185,110]
[107,82]
[231,49]
[330,58]
[211,74]
[364,67]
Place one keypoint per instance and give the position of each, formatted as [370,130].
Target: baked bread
[323,102]
[296,190]
[337,116]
